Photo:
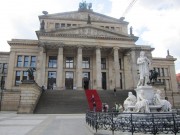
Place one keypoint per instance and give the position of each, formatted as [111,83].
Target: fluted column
[79,69]
[60,68]
[41,64]
[116,68]
[98,69]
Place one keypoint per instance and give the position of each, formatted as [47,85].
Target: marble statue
[130,101]
[144,66]
[166,106]
[142,104]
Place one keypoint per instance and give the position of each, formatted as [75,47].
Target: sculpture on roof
[84,6]
[89,19]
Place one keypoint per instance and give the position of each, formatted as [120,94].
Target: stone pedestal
[148,93]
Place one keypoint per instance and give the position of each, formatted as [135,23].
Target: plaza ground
[47,124]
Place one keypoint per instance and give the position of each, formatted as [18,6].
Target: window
[86,62]
[120,63]
[51,79]
[68,25]
[107,27]
[26,61]
[103,63]
[25,75]
[33,61]
[51,74]
[57,25]
[69,62]
[162,71]
[159,71]
[74,25]
[62,25]
[19,61]
[17,79]
[52,62]
[112,28]
[4,70]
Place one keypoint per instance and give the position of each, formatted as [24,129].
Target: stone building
[82,50]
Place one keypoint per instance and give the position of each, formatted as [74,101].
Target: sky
[155,22]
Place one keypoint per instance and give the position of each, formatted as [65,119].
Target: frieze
[89,32]
[84,16]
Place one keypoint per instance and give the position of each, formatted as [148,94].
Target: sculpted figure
[130,101]
[144,64]
[166,105]
[142,104]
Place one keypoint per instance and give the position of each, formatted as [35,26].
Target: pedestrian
[42,88]
[94,106]
[92,98]
[114,91]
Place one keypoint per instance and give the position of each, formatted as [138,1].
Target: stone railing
[30,94]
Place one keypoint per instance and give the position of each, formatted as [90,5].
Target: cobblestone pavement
[47,124]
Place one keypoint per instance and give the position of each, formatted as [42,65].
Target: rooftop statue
[144,66]
[84,6]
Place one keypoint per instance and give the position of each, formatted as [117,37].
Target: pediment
[79,15]
[89,31]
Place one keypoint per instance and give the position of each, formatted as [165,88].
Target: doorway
[69,80]
[86,78]
[104,80]
[51,80]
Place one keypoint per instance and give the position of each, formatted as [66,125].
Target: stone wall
[10,100]
[30,93]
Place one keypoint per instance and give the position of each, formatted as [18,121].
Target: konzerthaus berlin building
[81,50]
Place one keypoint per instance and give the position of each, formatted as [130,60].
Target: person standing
[94,106]
[114,91]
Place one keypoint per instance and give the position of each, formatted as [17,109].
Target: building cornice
[23,42]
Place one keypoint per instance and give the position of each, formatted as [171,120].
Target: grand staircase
[75,101]
[62,102]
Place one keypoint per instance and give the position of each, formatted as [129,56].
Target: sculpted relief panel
[84,16]
[89,32]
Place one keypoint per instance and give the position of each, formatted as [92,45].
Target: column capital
[98,47]
[116,48]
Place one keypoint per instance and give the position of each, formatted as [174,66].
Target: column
[41,66]
[98,69]
[79,69]
[134,68]
[116,68]
[60,69]
[10,75]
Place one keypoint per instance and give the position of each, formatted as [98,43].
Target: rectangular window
[57,25]
[25,75]
[107,27]
[103,63]
[1,67]
[62,25]
[4,70]
[19,61]
[51,80]
[120,63]
[17,78]
[159,71]
[26,61]
[52,62]
[69,62]
[74,25]
[112,28]
[162,73]
[33,61]
[86,62]
[68,25]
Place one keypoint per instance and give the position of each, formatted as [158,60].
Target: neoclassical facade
[82,50]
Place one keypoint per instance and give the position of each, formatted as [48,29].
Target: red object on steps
[89,94]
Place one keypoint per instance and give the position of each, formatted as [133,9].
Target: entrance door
[69,80]
[86,78]
[51,80]
[104,80]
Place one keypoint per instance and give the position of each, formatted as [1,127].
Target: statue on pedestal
[130,101]
[144,64]
[166,106]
